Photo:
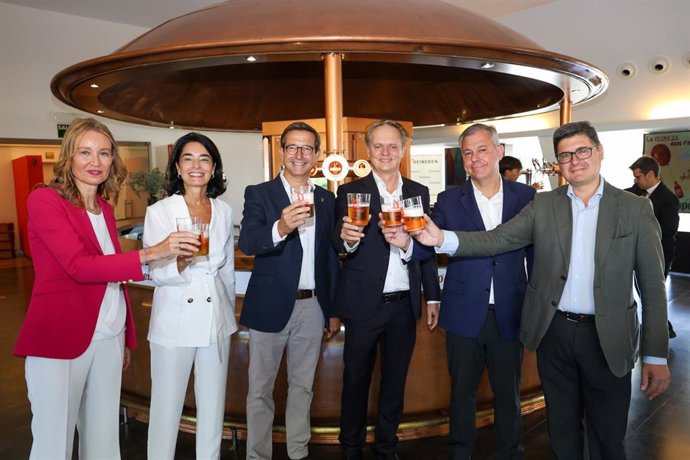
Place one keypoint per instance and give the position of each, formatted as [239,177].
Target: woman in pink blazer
[79,319]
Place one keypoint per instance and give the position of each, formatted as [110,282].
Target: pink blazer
[71,275]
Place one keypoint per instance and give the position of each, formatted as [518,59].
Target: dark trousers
[393,328]
[467,358]
[577,383]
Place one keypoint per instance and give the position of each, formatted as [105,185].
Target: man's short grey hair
[480,127]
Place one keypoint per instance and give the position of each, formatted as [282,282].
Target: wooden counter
[427,393]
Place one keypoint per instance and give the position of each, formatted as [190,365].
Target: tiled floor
[658,429]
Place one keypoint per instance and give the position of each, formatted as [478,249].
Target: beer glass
[413,214]
[304,193]
[391,209]
[194,225]
[358,208]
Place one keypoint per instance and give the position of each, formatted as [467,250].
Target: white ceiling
[150,13]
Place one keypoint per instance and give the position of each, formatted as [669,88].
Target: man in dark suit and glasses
[379,297]
[666,206]
[579,314]
[289,298]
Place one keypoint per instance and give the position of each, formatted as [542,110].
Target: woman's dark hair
[174,184]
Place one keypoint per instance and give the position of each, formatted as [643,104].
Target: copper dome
[425,61]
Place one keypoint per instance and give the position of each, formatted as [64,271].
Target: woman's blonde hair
[64,181]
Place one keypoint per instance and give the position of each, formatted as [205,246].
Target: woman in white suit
[193,302]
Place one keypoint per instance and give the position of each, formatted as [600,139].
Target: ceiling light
[93,85]
[659,65]
[100,111]
[251,59]
[626,70]
[488,65]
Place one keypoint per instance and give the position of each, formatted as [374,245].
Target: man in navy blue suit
[289,297]
[379,297]
[482,298]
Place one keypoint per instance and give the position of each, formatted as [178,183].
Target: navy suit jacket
[361,281]
[467,282]
[273,284]
[666,207]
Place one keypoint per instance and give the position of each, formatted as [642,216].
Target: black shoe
[671,332]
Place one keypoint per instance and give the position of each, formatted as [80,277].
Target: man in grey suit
[579,313]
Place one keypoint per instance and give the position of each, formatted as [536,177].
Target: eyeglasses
[305,149]
[582,154]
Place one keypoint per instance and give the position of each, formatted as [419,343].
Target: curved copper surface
[417,60]
[427,391]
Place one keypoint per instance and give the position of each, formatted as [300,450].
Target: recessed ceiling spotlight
[172,125]
[626,70]
[251,59]
[100,111]
[659,65]
[93,85]
[488,65]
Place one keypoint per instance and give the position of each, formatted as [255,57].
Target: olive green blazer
[628,240]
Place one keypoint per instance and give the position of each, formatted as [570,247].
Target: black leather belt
[576,317]
[395,296]
[305,294]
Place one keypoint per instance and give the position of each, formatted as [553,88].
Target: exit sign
[61,130]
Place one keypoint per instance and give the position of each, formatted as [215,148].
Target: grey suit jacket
[627,240]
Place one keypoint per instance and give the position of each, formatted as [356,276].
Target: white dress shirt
[307,236]
[113,311]
[397,278]
[491,210]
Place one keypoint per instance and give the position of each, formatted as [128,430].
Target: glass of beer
[304,193]
[413,214]
[358,208]
[391,209]
[191,224]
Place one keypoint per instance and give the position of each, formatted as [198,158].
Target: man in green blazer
[579,312]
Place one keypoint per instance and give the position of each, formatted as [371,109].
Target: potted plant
[152,182]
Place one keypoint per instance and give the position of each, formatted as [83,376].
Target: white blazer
[196,307]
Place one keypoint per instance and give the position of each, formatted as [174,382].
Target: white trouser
[302,336]
[82,392]
[170,369]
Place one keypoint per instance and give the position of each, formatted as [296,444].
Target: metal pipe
[566,117]
[333,85]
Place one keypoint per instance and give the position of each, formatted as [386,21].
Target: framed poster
[429,170]
[672,151]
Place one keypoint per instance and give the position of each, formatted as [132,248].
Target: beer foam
[414,212]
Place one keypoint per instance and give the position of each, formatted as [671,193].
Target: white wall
[36,44]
